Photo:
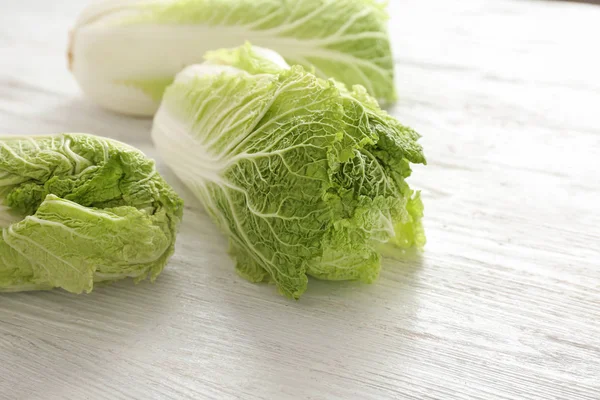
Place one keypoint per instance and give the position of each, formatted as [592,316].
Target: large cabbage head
[77,209]
[306,177]
[125,53]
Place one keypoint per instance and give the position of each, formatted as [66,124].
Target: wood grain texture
[503,304]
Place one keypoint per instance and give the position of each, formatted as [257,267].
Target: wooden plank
[503,304]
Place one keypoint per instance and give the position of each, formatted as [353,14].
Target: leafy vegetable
[303,175]
[150,41]
[78,209]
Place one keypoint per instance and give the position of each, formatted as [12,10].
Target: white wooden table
[504,304]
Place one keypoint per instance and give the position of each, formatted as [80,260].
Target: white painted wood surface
[503,304]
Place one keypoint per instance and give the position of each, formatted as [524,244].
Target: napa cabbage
[305,176]
[78,209]
[125,53]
